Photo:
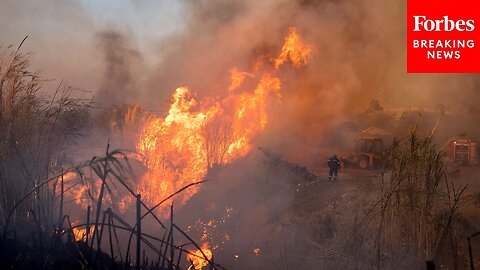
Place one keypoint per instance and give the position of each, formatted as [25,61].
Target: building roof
[376,132]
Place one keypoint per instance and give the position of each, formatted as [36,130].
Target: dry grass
[418,206]
[35,133]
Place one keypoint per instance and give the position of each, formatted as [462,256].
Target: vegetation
[418,205]
[415,212]
[35,132]
[37,232]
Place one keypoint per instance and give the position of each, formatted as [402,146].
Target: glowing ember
[197,259]
[212,231]
[179,149]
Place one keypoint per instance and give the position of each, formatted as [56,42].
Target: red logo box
[443,36]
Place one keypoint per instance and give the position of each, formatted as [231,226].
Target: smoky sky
[359,55]
[66,38]
[121,62]
[140,51]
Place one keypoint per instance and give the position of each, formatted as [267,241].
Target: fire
[197,259]
[173,149]
[196,135]
[80,234]
[295,50]
[72,187]
[79,195]
[257,251]
[237,78]
[69,176]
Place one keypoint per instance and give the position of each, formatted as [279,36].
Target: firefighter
[334,165]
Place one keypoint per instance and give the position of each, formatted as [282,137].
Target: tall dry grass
[35,132]
[418,208]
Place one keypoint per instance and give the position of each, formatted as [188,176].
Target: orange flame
[197,259]
[295,50]
[237,78]
[173,149]
[179,149]
[80,234]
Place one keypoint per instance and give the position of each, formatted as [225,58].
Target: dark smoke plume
[121,66]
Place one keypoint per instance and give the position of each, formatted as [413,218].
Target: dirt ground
[333,208]
[298,219]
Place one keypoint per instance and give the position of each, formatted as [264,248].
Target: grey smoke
[122,69]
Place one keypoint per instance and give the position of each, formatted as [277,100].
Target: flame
[79,195]
[173,149]
[237,79]
[257,251]
[80,233]
[69,176]
[197,259]
[133,117]
[73,188]
[295,50]
[196,135]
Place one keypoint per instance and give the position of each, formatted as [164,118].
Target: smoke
[59,34]
[358,49]
[244,206]
[359,55]
[122,69]
[76,42]
[139,51]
